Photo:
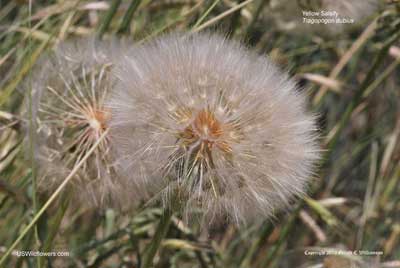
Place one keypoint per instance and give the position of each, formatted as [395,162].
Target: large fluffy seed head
[69,88]
[219,128]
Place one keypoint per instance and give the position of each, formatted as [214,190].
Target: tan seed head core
[205,131]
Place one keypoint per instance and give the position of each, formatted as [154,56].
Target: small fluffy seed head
[70,86]
[215,127]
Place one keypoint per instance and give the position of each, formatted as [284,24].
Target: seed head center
[97,120]
[206,132]
[206,126]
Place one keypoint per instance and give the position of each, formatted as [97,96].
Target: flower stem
[161,231]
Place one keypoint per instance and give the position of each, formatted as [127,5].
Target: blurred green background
[352,77]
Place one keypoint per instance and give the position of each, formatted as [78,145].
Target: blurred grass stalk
[155,243]
[133,6]
[220,16]
[205,14]
[108,17]
[32,138]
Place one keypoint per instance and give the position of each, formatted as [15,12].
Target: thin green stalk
[220,16]
[286,230]
[82,249]
[199,21]
[235,19]
[161,231]
[259,7]
[172,23]
[31,120]
[126,21]
[25,246]
[108,17]
[266,230]
[55,223]
[391,186]
[32,138]
[392,67]
[101,258]
[51,199]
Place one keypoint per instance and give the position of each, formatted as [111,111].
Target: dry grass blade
[312,224]
[327,82]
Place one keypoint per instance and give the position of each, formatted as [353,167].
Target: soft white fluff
[213,126]
[69,88]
